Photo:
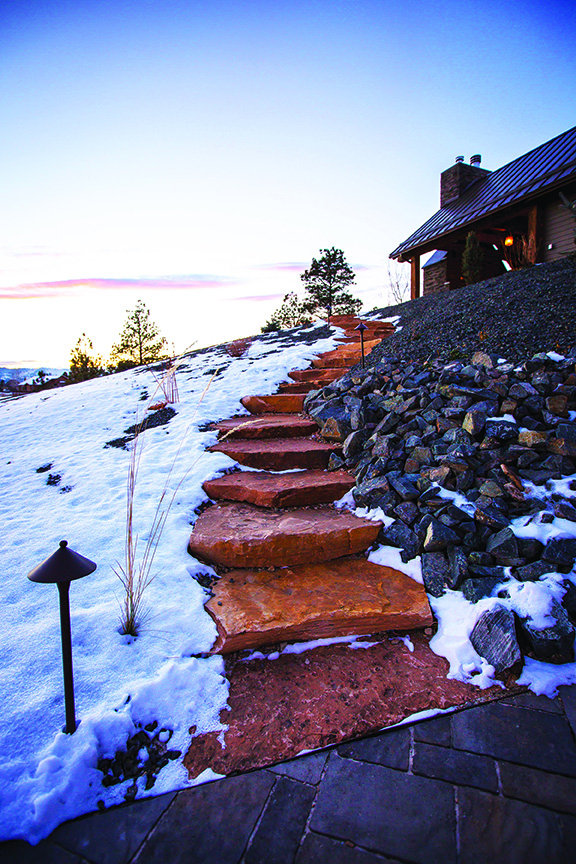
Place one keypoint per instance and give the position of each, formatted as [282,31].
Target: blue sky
[198,154]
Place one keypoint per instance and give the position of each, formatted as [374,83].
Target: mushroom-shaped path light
[362,327]
[61,568]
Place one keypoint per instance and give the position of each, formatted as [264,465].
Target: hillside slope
[514,316]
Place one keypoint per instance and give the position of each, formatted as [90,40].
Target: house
[518,214]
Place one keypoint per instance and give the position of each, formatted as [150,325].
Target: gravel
[514,316]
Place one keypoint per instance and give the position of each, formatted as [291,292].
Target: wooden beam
[415,277]
[534,232]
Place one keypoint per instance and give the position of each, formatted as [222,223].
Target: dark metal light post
[361,327]
[61,568]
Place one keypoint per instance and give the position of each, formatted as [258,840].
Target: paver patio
[494,783]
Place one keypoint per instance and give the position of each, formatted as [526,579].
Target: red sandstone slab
[279,403]
[336,362]
[239,535]
[348,597]
[320,376]
[266,426]
[278,708]
[299,489]
[296,387]
[278,454]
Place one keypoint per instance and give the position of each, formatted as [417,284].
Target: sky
[196,154]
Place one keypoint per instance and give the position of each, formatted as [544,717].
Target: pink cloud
[258,297]
[35,290]
[289,266]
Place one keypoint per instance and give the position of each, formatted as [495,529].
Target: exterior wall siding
[559,229]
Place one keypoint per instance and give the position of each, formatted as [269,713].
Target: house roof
[538,171]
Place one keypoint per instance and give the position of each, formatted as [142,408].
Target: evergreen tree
[293,312]
[140,341]
[327,281]
[472,260]
[82,364]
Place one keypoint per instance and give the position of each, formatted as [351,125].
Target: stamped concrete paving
[495,783]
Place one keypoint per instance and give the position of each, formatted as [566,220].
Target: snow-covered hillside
[47,776]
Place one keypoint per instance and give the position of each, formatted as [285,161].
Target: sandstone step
[298,489]
[296,387]
[318,376]
[336,361]
[278,454]
[348,597]
[279,403]
[243,536]
[344,321]
[266,426]
[369,335]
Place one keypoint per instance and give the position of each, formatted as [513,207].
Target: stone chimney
[455,180]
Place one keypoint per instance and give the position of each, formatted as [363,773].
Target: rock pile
[453,453]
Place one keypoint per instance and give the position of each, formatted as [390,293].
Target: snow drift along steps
[347,597]
[240,535]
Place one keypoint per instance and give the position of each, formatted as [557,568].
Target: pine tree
[293,312]
[327,281]
[83,365]
[140,341]
[472,260]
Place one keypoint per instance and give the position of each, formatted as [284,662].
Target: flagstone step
[317,376]
[348,597]
[296,387]
[278,454]
[279,403]
[296,489]
[336,361]
[378,333]
[266,426]
[243,536]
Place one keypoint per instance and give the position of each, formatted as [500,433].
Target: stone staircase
[291,566]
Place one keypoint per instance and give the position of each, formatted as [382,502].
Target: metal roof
[434,258]
[530,175]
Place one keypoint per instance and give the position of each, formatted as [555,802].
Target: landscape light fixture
[61,568]
[361,327]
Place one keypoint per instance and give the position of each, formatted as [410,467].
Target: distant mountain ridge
[25,373]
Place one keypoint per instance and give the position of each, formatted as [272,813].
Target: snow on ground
[46,776]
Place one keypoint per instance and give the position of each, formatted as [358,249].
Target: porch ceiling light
[509,240]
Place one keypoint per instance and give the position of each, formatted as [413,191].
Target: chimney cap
[459,159]
[476,159]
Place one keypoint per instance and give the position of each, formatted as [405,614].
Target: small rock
[494,638]
[474,422]
[406,490]
[553,644]
[503,546]
[458,566]
[400,536]
[532,572]
[476,589]
[532,438]
[435,573]
[561,551]
[438,536]
[565,510]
